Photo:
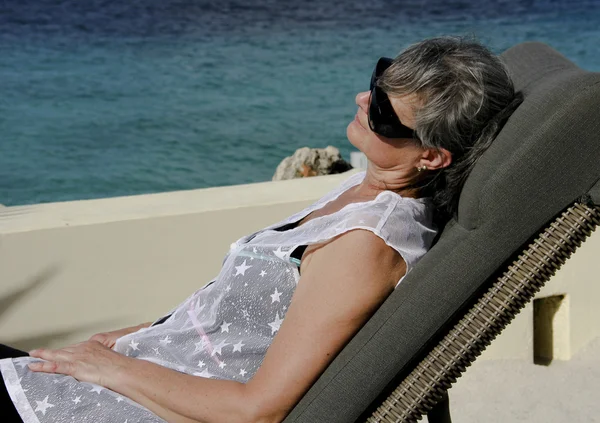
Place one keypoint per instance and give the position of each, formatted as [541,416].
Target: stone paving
[517,391]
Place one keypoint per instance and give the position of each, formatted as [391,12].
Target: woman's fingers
[56,361]
[62,367]
[100,337]
[88,361]
[103,338]
[46,354]
[106,339]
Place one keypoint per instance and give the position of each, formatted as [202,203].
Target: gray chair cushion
[546,157]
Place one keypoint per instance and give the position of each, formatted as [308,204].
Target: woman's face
[385,153]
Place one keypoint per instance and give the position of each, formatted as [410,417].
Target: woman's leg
[8,352]
[9,413]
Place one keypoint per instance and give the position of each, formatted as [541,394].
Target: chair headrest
[533,61]
[548,148]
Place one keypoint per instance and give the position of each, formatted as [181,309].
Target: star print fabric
[63,399]
[223,330]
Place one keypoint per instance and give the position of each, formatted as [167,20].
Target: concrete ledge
[87,212]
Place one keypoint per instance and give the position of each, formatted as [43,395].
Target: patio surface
[517,391]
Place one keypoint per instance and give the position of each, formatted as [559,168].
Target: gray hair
[465,95]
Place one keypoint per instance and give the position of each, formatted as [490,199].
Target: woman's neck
[376,182]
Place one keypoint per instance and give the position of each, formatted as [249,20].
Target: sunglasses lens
[382,116]
[374,112]
[383,119]
[382,64]
[374,77]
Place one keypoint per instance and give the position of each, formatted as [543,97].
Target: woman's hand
[89,361]
[109,339]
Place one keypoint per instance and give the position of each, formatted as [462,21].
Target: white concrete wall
[69,270]
[576,325]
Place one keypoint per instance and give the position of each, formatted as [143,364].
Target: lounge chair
[530,201]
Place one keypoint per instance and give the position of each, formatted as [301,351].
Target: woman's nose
[362,99]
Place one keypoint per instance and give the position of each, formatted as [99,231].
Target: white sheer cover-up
[223,330]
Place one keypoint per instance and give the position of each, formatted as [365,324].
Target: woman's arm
[343,282]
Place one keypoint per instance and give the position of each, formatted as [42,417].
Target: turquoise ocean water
[103,98]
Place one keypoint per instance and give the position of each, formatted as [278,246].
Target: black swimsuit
[7,408]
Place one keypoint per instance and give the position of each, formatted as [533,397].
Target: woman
[226,354]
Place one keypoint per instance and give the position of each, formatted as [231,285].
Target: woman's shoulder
[357,247]
[404,224]
[390,208]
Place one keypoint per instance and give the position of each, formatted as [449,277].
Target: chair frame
[425,388]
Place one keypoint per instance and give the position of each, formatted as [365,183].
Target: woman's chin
[352,135]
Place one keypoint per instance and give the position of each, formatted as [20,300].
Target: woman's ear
[434,158]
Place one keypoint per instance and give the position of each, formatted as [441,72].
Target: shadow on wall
[550,329]
[28,343]
[12,299]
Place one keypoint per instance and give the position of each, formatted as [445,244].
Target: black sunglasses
[382,117]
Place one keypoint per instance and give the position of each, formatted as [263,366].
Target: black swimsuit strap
[297,253]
